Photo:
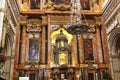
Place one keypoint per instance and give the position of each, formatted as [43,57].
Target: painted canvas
[33,50]
[35,4]
[85,4]
[88,49]
[60,1]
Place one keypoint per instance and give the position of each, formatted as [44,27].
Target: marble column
[2,7]
[98,42]
[23,46]
[95,49]
[74,50]
[81,49]
[49,46]
[43,45]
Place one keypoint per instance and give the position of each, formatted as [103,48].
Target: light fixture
[77,27]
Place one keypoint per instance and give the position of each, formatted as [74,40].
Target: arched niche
[114,43]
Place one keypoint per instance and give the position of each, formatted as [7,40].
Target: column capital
[44,20]
[24,24]
[44,24]
[98,26]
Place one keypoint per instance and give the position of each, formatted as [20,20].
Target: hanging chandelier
[76,27]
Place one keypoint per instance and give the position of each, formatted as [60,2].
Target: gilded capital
[98,26]
[24,24]
[44,24]
[44,20]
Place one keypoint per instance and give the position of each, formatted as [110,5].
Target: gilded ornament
[48,5]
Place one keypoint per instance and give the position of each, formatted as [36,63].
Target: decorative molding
[34,28]
[12,26]
[113,13]
[48,5]
[62,7]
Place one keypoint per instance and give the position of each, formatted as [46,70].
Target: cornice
[87,12]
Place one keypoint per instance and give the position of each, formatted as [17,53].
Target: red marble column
[23,44]
[81,49]
[43,45]
[74,52]
[49,46]
[99,47]
[95,49]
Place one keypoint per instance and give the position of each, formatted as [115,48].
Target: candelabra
[77,27]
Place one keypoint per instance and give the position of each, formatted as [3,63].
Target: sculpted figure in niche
[61,5]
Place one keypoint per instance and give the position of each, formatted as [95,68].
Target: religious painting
[35,4]
[57,2]
[33,50]
[88,49]
[85,4]
[95,1]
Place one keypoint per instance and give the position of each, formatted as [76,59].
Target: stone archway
[8,47]
[114,42]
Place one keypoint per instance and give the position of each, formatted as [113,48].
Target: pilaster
[99,47]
